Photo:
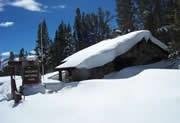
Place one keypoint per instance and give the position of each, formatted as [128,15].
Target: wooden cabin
[143,52]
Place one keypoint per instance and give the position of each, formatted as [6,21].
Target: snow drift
[152,96]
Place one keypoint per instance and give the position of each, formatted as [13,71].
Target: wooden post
[15,94]
[60,76]
[13,84]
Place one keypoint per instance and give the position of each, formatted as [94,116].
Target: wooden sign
[31,73]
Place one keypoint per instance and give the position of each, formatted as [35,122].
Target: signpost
[14,91]
[31,73]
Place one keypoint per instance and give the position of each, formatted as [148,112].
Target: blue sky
[19,19]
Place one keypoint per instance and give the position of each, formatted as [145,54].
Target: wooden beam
[60,76]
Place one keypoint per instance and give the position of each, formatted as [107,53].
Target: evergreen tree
[54,50]
[150,14]
[91,28]
[69,48]
[12,56]
[63,44]
[77,29]
[49,58]
[125,15]
[21,54]
[177,13]
[103,24]
[174,25]
[42,43]
[161,18]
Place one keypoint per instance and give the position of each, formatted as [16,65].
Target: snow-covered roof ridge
[105,51]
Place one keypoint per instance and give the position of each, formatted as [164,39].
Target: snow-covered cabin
[135,48]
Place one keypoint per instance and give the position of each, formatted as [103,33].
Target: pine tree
[125,15]
[12,56]
[49,59]
[21,54]
[174,21]
[69,48]
[54,50]
[77,30]
[177,13]
[42,43]
[104,30]
[63,44]
[91,28]
[43,38]
[161,18]
[151,13]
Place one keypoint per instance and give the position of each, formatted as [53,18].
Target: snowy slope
[4,58]
[105,51]
[152,96]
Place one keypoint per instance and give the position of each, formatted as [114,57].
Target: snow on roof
[16,59]
[32,52]
[31,58]
[107,50]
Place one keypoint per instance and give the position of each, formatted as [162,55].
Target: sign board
[31,73]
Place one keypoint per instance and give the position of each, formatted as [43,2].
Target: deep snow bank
[5,87]
[135,70]
[152,96]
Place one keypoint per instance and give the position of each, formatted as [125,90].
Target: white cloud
[30,5]
[5,54]
[6,24]
[62,6]
[1,6]
[1,9]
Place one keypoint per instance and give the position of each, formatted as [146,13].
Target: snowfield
[149,96]
[5,87]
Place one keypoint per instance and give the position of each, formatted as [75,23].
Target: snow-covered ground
[5,87]
[147,96]
[135,70]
